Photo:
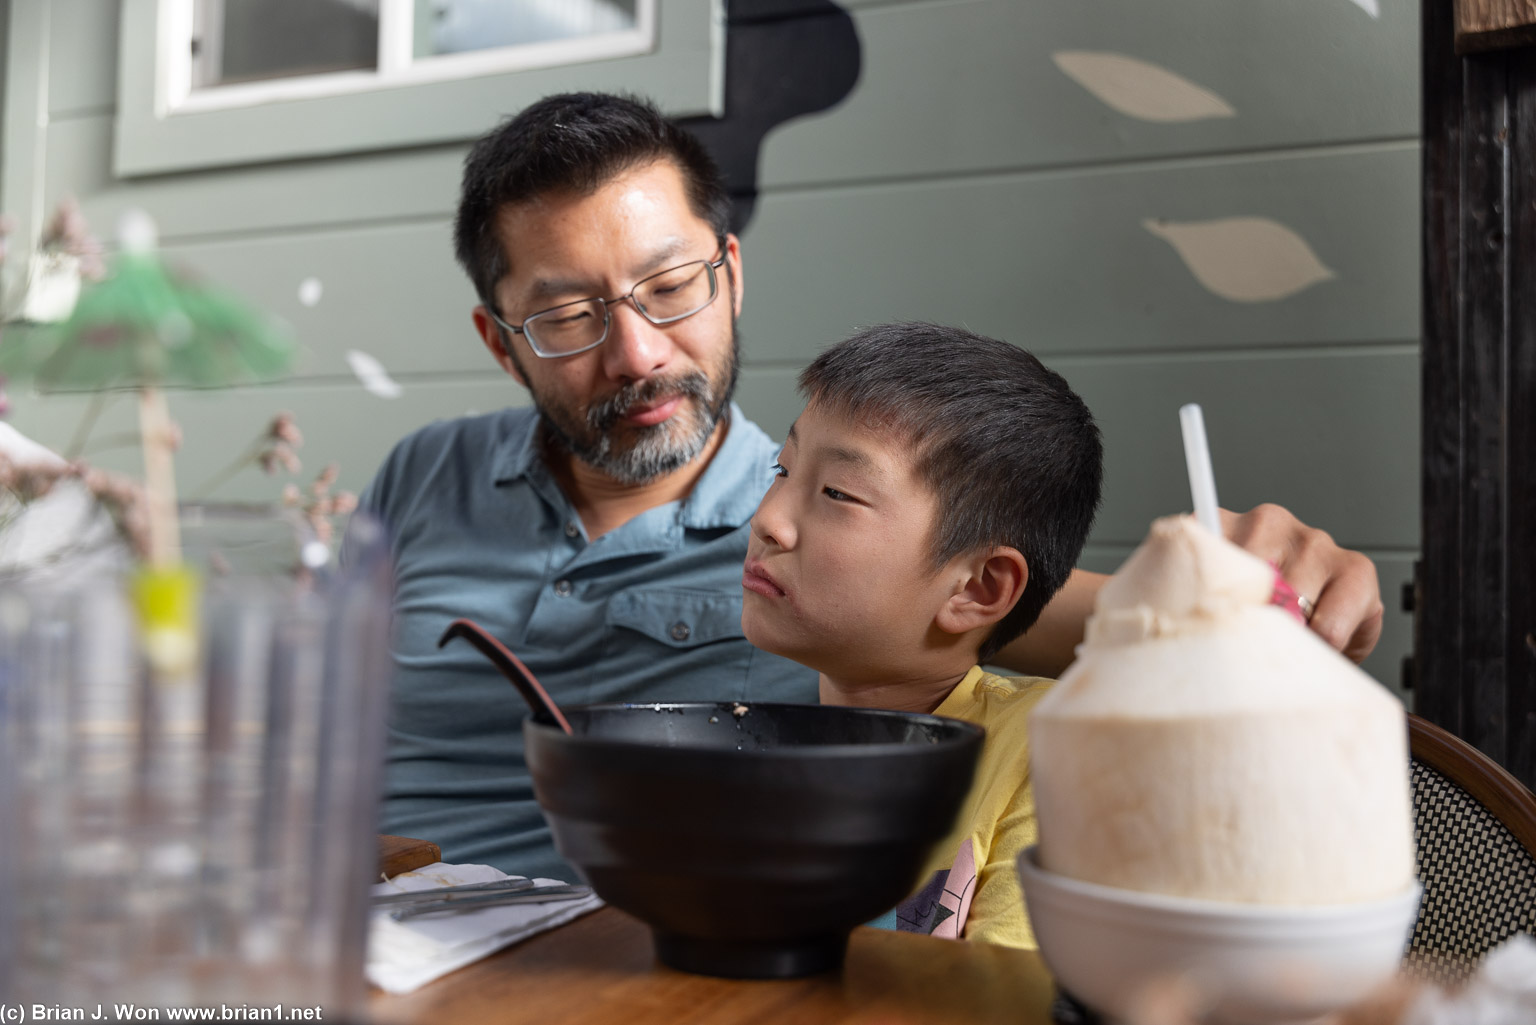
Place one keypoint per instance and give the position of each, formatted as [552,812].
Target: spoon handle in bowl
[510,665]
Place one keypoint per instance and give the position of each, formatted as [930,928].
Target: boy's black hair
[571,142]
[1011,453]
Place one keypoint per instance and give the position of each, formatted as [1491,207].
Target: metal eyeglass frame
[520,329]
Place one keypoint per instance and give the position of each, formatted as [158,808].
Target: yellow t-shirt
[970,885]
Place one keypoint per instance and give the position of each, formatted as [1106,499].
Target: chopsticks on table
[447,892]
[410,904]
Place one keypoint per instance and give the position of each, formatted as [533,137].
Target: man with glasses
[601,533]
[572,328]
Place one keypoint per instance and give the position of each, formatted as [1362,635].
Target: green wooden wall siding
[950,86]
[977,250]
[966,179]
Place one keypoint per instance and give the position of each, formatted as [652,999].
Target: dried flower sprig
[121,497]
[67,233]
[49,284]
[31,481]
[276,446]
[319,506]
[283,440]
[125,501]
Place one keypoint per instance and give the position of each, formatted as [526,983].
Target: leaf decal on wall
[1139,89]
[373,375]
[1369,7]
[1244,259]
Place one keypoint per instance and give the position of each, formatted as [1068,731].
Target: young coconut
[1206,744]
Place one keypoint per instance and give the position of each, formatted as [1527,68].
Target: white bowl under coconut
[1250,964]
[1210,768]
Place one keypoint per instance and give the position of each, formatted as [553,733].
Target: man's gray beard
[657,451]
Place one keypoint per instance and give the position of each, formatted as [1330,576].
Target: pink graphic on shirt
[959,886]
[941,907]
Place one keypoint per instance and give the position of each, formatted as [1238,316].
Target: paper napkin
[403,956]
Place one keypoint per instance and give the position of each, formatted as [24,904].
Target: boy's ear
[990,585]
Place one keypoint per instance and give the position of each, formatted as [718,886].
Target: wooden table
[600,970]
[402,853]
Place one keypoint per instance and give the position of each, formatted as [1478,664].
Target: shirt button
[571,529]
[680,631]
[563,588]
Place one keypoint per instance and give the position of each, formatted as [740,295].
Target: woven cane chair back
[1475,830]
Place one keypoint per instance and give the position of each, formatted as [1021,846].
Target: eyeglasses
[663,298]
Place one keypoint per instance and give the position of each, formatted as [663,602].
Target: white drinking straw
[1197,457]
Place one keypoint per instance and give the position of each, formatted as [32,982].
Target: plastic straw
[1197,457]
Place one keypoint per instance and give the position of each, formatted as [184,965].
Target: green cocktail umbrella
[144,326]
[147,325]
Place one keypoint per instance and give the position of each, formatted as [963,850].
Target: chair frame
[1505,797]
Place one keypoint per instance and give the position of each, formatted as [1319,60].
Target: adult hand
[1341,584]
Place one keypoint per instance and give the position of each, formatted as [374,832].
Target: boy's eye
[779,471]
[836,495]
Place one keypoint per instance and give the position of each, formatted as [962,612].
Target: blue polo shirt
[650,611]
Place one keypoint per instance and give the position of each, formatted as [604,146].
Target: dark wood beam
[1476,595]
[1494,24]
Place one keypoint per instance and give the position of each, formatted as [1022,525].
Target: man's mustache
[603,415]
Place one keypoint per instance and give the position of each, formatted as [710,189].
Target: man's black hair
[573,142]
[1010,452]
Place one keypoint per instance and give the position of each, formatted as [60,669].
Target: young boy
[931,498]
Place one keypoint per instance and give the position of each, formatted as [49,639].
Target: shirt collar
[519,449]
[726,495]
[958,700]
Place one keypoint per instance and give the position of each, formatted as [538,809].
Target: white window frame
[675,55]
[398,64]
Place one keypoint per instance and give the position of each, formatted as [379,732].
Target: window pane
[457,26]
[251,40]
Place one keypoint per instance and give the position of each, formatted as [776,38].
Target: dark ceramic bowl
[752,844]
